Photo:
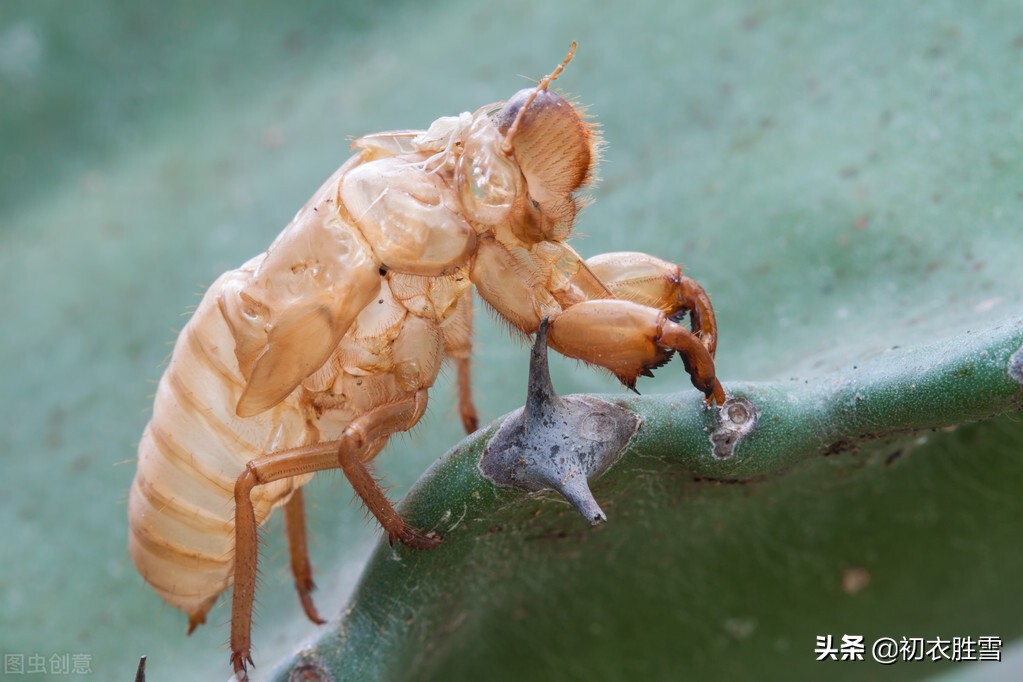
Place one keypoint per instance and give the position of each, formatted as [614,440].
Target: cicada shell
[311,355]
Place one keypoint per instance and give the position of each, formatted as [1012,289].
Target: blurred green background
[842,177]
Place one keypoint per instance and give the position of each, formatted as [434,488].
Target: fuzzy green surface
[721,569]
[843,178]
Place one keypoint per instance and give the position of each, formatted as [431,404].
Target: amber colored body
[310,356]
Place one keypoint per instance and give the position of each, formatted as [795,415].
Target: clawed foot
[716,394]
[240,660]
[702,375]
[470,422]
[410,537]
[306,598]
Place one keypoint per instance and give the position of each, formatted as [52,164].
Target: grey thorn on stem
[558,443]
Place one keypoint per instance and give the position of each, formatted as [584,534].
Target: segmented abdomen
[181,505]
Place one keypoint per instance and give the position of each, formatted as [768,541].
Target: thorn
[556,443]
[541,399]
[576,490]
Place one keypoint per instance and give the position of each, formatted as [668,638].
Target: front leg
[589,321]
[650,281]
[631,339]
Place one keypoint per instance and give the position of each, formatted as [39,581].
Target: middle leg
[457,331]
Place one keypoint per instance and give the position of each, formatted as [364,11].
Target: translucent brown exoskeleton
[310,356]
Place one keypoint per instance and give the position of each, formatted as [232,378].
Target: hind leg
[362,436]
[298,548]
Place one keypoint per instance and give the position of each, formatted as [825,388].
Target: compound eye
[488,181]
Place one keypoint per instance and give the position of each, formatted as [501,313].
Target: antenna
[506,146]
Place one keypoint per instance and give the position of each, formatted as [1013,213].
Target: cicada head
[524,160]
